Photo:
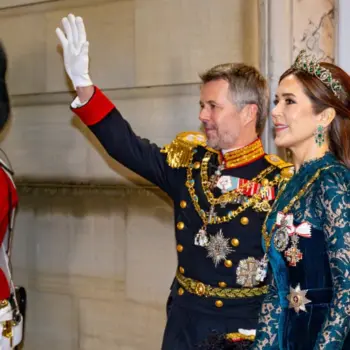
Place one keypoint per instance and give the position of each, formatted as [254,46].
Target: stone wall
[94,243]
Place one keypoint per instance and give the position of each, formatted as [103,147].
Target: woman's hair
[319,80]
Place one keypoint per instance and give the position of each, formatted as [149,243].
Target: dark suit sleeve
[121,143]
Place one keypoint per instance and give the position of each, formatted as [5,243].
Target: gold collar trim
[244,155]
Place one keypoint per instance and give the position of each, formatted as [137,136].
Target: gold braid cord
[256,201]
[201,289]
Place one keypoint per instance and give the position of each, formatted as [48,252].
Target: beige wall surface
[98,261]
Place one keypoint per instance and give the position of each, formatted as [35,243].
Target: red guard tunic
[8,202]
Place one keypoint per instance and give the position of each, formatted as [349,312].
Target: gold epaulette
[179,151]
[287,169]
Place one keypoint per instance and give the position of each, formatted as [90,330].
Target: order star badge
[218,248]
[297,299]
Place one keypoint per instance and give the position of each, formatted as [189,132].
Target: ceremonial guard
[222,184]
[12,299]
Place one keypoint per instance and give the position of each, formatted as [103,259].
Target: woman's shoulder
[335,175]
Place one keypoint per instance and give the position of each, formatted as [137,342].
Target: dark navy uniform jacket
[190,317]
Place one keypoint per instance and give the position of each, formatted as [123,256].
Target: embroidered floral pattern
[326,206]
[268,322]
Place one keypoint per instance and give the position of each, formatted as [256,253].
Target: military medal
[293,255]
[228,183]
[218,248]
[214,179]
[281,237]
[261,271]
[201,239]
[297,299]
[211,214]
[246,272]
[246,194]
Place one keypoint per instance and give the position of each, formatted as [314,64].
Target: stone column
[277,31]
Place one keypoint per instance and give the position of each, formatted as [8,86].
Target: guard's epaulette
[287,169]
[179,151]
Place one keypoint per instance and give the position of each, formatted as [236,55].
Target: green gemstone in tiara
[310,65]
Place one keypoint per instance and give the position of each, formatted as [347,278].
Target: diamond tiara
[311,65]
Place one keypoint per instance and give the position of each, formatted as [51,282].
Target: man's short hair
[247,86]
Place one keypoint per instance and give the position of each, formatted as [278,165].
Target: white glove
[75,50]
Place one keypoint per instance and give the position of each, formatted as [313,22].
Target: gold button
[219,303]
[200,289]
[235,242]
[222,285]
[182,270]
[197,165]
[180,225]
[3,303]
[183,204]
[180,291]
[228,263]
[179,248]
[264,182]
[244,220]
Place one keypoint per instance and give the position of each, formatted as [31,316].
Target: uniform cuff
[94,110]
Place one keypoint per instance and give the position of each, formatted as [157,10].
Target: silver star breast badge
[297,299]
[218,248]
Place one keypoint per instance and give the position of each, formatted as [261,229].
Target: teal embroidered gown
[323,271]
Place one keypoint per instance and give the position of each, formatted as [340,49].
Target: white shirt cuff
[77,103]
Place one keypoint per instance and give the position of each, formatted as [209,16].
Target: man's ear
[249,114]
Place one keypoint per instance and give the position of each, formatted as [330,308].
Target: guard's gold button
[197,165]
[235,242]
[264,182]
[228,263]
[182,270]
[180,225]
[180,291]
[179,248]
[244,220]
[183,204]
[222,285]
[3,303]
[219,303]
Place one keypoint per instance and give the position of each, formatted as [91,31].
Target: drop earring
[319,135]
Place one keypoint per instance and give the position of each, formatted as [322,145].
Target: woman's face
[293,116]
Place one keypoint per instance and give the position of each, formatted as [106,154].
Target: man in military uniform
[222,185]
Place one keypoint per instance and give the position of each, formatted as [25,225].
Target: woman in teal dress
[306,236]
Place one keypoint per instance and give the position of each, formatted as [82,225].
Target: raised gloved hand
[75,50]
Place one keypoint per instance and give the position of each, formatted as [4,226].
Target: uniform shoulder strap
[179,151]
[286,169]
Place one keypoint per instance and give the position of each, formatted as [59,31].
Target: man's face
[220,118]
